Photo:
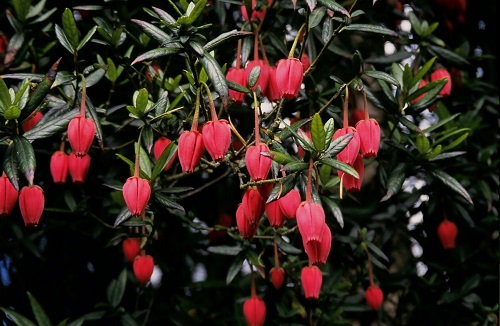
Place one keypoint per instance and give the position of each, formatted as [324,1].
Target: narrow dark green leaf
[338,145]
[142,100]
[4,94]
[335,209]
[197,48]
[318,133]
[440,123]
[69,27]
[147,138]
[10,166]
[408,124]
[383,76]
[197,11]
[21,8]
[49,127]
[452,183]
[282,188]
[224,38]
[371,29]
[316,17]
[95,315]
[332,5]
[443,156]
[423,144]
[253,77]
[173,48]
[395,181]
[237,87]
[341,166]
[395,57]
[329,131]
[421,73]
[164,16]
[86,38]
[154,32]
[12,113]
[116,289]
[216,76]
[167,202]
[122,217]
[63,39]
[295,166]
[93,114]
[377,251]
[282,158]
[25,157]
[286,247]
[40,314]
[448,55]
[16,317]
[165,157]
[225,250]
[144,162]
[235,267]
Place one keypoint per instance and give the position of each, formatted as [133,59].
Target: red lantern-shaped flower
[369,137]
[289,74]
[318,251]
[78,167]
[237,75]
[59,166]
[143,268]
[136,192]
[254,310]
[131,248]
[263,77]
[253,205]
[158,148]
[31,123]
[289,203]
[246,229]
[257,14]
[349,182]
[350,152]
[272,90]
[8,196]
[81,133]
[31,203]
[310,220]
[374,297]
[217,138]
[443,73]
[447,233]
[306,62]
[274,214]
[312,279]
[258,165]
[277,277]
[190,150]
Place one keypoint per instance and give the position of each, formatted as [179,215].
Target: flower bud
[374,297]
[31,203]
[349,182]
[158,148]
[274,214]
[350,152]
[131,248]
[190,150]
[447,233]
[443,73]
[31,123]
[143,268]
[289,203]
[272,90]
[369,137]
[8,196]
[217,138]
[289,74]
[136,192]
[312,279]
[310,220]
[78,167]
[254,310]
[237,75]
[263,77]
[81,133]
[246,229]
[277,277]
[59,166]
[258,165]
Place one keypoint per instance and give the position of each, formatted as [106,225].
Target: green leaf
[165,157]
[13,112]
[452,183]
[164,16]
[49,127]
[40,315]
[329,131]
[440,123]
[197,48]
[86,38]
[193,14]
[377,251]
[93,114]
[225,250]
[151,30]
[123,216]
[25,157]
[282,158]
[16,317]
[332,5]
[455,143]
[116,289]
[408,124]
[235,267]
[421,73]
[4,94]
[341,166]
[338,145]
[95,315]
[10,166]
[396,179]
[144,162]
[215,75]
[69,27]
[371,29]
[335,209]
[318,133]
[237,87]
[423,144]
[142,100]
[316,17]
[282,188]
[286,247]
[253,76]
[173,48]
[295,166]
[382,76]
[168,202]
[224,38]
[393,58]
[448,55]
[21,8]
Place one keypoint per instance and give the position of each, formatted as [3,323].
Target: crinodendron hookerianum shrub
[255,162]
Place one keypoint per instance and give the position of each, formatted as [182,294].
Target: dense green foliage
[144,65]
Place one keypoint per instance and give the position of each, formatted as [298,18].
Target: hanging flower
[254,310]
[32,122]
[374,297]
[59,166]
[289,73]
[272,91]
[257,14]
[81,133]
[277,277]
[143,268]
[443,73]
[289,203]
[258,165]
[217,138]
[369,137]
[263,79]
[274,214]
[306,62]
[350,152]
[246,229]
[237,75]
[318,251]
[253,205]
[131,248]
[78,167]
[312,279]
[447,233]
[159,146]
[190,150]
[31,203]
[136,192]
[349,182]
[8,195]
[310,220]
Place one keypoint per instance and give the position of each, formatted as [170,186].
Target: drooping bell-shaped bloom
[272,90]
[318,251]
[306,62]
[217,138]
[253,205]
[258,165]
[8,195]
[443,73]
[159,146]
[289,74]
[190,150]
[447,233]
[59,166]
[81,133]
[254,310]
[31,123]
[350,152]
[237,75]
[312,279]
[257,14]
[374,297]
[418,98]
[78,167]
[246,229]
[289,203]
[349,182]
[136,192]
[310,220]
[277,277]
[31,203]
[274,214]
[131,248]
[369,137]
[143,268]
[263,77]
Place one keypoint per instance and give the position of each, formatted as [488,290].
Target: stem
[263,52]
[84,97]
[238,55]
[137,155]
[327,104]
[213,113]
[346,108]
[295,41]
[194,125]
[309,182]
[256,117]
[365,103]
[256,44]
[253,292]
[276,260]
[370,269]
